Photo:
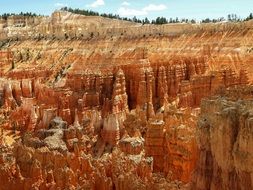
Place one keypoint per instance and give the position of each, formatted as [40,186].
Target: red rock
[110,131]
[47,116]
[223,149]
[96,103]
[26,87]
[131,145]
[154,144]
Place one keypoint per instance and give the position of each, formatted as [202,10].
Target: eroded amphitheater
[103,104]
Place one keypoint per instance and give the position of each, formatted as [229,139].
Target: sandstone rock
[48,115]
[131,145]
[9,101]
[181,150]
[154,144]
[162,86]
[224,154]
[27,90]
[110,131]
[119,95]
[95,103]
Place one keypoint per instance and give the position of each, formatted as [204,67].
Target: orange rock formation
[119,109]
[225,157]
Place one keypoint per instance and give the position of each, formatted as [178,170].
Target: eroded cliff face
[120,112]
[76,156]
[225,145]
[66,25]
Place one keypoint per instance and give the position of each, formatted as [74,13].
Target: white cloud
[125,3]
[96,3]
[124,11]
[60,5]
[152,7]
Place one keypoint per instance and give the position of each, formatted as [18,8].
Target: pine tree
[146,21]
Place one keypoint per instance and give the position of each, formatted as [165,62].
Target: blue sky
[196,9]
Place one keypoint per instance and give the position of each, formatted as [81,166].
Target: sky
[191,9]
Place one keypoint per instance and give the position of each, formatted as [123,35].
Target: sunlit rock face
[119,109]
[224,140]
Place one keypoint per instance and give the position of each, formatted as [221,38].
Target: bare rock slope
[225,145]
[94,103]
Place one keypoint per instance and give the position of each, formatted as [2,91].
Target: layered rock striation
[225,145]
[118,109]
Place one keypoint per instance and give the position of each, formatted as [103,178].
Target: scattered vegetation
[158,20]
[250,17]
[27,14]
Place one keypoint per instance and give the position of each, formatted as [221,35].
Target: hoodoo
[88,102]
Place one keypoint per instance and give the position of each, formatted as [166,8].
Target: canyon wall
[225,145]
[119,111]
[64,25]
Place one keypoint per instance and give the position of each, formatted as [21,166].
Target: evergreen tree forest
[158,21]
